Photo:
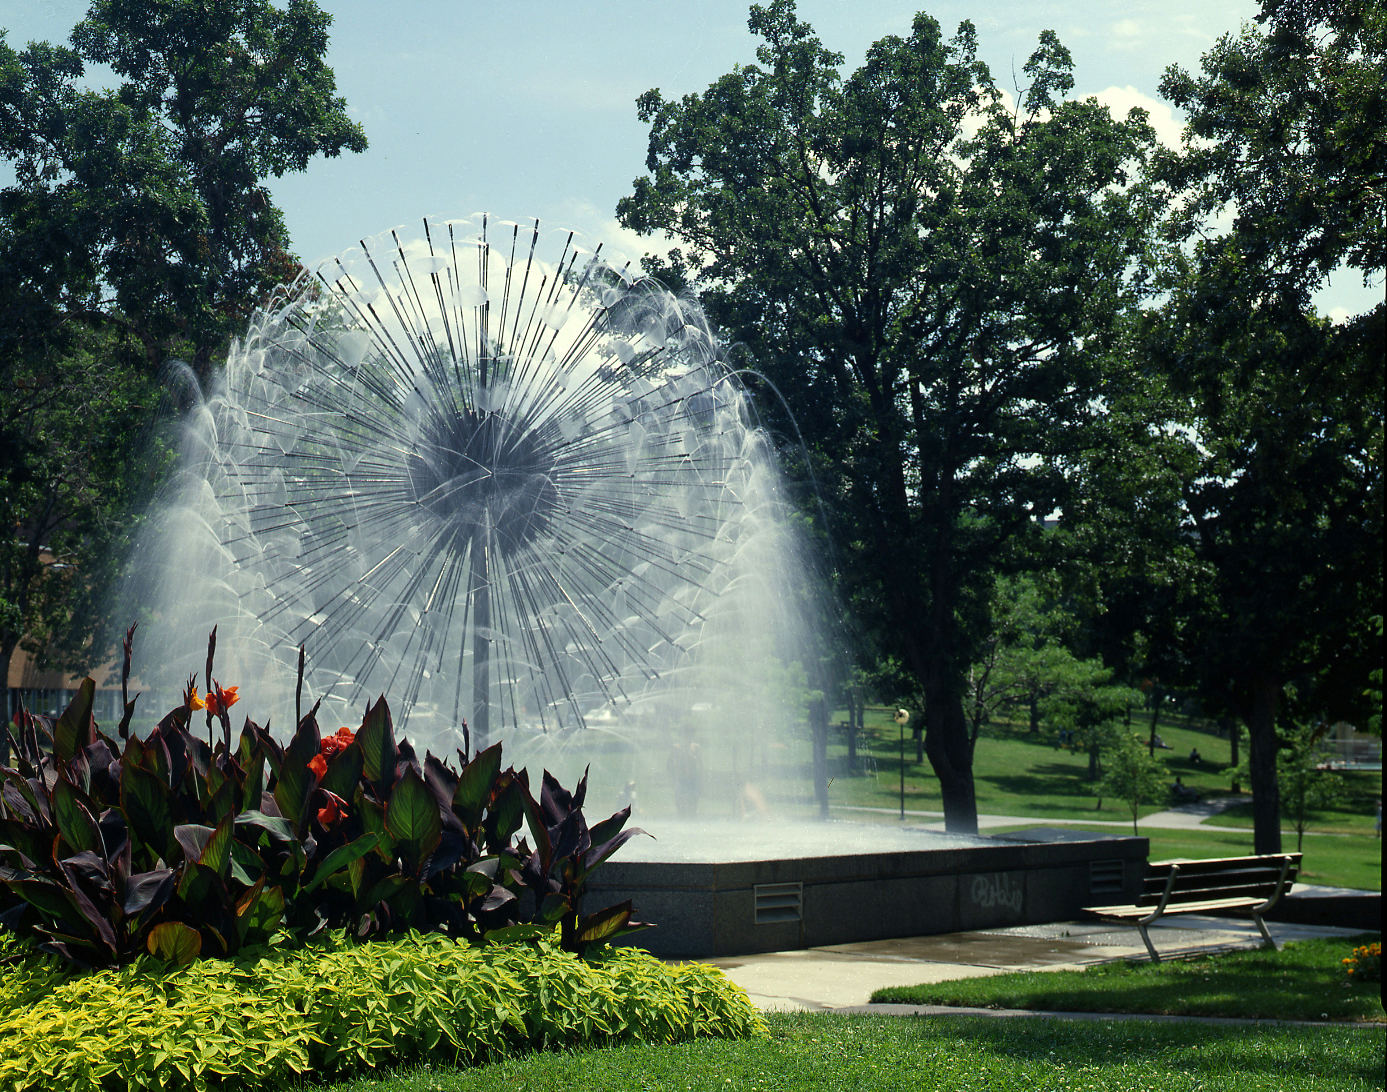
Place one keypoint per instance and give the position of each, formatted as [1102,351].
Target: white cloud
[1119,100]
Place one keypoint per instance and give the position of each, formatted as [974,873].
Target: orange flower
[193,701]
[219,701]
[332,746]
[336,809]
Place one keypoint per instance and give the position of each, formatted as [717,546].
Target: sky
[526,108]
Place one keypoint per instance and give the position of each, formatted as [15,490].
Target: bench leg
[1149,946]
[1265,935]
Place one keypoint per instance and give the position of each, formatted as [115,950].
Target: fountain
[514,487]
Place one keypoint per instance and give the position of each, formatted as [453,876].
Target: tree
[930,279]
[1283,410]
[142,207]
[1131,774]
[137,229]
[1086,707]
[1305,788]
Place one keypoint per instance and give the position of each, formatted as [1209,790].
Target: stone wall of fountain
[501,481]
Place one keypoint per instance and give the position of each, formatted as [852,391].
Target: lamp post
[901,717]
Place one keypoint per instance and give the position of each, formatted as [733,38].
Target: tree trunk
[1035,713]
[818,720]
[6,654]
[1159,697]
[946,744]
[1261,761]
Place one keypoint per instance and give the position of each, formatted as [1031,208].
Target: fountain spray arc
[493,484]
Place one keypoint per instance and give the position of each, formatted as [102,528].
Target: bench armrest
[1165,896]
[1281,886]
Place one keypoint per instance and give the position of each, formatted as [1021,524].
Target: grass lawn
[1305,981]
[1330,859]
[809,1052]
[1017,773]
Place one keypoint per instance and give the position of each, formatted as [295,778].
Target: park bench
[1248,884]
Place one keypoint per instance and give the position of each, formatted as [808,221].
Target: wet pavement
[842,977]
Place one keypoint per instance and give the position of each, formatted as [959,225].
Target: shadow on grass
[1203,1052]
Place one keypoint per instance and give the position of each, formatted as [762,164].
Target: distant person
[685,766]
[1181,790]
[1162,744]
[1194,757]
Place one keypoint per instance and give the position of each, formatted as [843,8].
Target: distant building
[50,691]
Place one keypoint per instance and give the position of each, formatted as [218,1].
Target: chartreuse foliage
[279,1014]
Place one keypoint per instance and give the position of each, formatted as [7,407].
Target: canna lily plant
[179,847]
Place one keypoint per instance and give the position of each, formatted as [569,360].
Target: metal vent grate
[1104,877]
[779,902]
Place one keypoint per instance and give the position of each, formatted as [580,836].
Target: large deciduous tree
[143,206]
[1287,136]
[930,277]
[137,228]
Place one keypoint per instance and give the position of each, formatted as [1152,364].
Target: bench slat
[1222,864]
[1223,891]
[1185,907]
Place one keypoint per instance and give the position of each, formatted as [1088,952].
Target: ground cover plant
[1307,980]
[276,1014]
[815,1052]
[178,847]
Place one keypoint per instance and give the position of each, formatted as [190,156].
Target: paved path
[842,977]
[1184,817]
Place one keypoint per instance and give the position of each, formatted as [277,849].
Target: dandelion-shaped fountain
[503,487]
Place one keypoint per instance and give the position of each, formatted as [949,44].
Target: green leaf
[73,729]
[258,914]
[246,865]
[174,942]
[413,819]
[296,780]
[376,738]
[605,923]
[74,819]
[342,856]
[475,785]
[344,772]
[148,808]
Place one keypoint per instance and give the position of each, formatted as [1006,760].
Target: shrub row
[279,1014]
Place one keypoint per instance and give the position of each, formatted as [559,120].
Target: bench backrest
[1218,878]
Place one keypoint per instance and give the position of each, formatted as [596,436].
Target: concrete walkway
[842,977]
[1184,817]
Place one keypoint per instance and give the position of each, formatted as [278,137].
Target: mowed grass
[1304,981]
[1329,859]
[1017,773]
[814,1052]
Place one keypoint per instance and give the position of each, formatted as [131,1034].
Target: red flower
[336,809]
[332,746]
[329,749]
[219,700]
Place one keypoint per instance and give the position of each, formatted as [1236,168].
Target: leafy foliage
[1282,505]
[931,281]
[279,1014]
[1131,774]
[179,847]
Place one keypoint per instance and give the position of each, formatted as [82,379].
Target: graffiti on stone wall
[998,889]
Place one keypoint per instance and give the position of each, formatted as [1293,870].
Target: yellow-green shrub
[334,1006]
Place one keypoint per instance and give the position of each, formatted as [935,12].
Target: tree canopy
[137,229]
[930,278]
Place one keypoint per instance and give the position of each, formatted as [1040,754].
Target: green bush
[277,1015]
[178,847]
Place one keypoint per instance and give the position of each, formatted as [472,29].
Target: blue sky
[526,108]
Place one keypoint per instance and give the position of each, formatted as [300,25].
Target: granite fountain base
[720,888]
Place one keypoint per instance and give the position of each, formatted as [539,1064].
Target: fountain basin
[726,889]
